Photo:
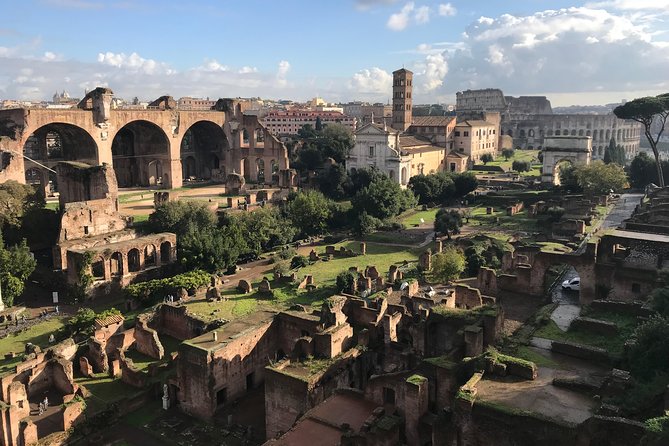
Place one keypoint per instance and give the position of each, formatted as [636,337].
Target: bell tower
[402,103]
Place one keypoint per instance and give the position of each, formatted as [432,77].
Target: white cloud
[447,10]
[247,70]
[400,20]
[566,50]
[422,15]
[134,62]
[374,81]
[282,72]
[435,70]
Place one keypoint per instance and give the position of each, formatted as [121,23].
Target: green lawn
[140,360]
[613,344]
[286,294]
[37,334]
[498,220]
[104,390]
[380,256]
[413,218]
[518,155]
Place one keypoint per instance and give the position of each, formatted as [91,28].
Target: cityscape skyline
[342,52]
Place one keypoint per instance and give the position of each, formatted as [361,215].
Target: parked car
[572,284]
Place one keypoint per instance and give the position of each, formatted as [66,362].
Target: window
[457,133]
[466,134]
[371,151]
[636,288]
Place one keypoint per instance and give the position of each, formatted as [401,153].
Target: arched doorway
[203,144]
[98,269]
[246,169]
[563,173]
[116,264]
[134,147]
[134,264]
[260,168]
[149,256]
[275,172]
[155,173]
[165,252]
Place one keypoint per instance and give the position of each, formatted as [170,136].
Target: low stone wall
[594,326]
[580,351]
[131,375]
[616,306]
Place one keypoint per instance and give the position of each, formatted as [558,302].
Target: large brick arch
[136,148]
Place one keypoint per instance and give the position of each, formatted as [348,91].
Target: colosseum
[530,119]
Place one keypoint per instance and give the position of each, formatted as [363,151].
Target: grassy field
[613,344]
[37,334]
[412,218]
[104,390]
[498,220]
[286,294]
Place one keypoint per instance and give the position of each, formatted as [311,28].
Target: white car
[572,284]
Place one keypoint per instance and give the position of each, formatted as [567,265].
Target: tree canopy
[16,200]
[614,153]
[599,178]
[642,171]
[309,211]
[645,111]
[448,265]
[383,198]
[448,221]
[16,265]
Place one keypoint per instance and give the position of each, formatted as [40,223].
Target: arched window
[260,165]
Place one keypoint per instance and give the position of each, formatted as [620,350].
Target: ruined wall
[285,401]
[147,340]
[202,374]
[175,321]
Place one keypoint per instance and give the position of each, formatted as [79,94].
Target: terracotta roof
[413,141]
[109,320]
[436,121]
[457,154]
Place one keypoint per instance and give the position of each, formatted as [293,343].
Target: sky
[575,52]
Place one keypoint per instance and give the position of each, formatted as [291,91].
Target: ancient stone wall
[175,321]
[147,340]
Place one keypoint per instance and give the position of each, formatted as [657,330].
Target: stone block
[245,286]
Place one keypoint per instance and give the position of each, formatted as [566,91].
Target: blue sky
[574,52]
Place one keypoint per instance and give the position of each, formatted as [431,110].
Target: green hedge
[156,289]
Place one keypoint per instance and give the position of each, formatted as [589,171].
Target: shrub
[345,281]
[280,269]
[155,290]
[521,166]
[299,262]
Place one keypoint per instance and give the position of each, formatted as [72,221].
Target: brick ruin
[160,146]
[39,374]
[95,239]
[621,265]
[302,359]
